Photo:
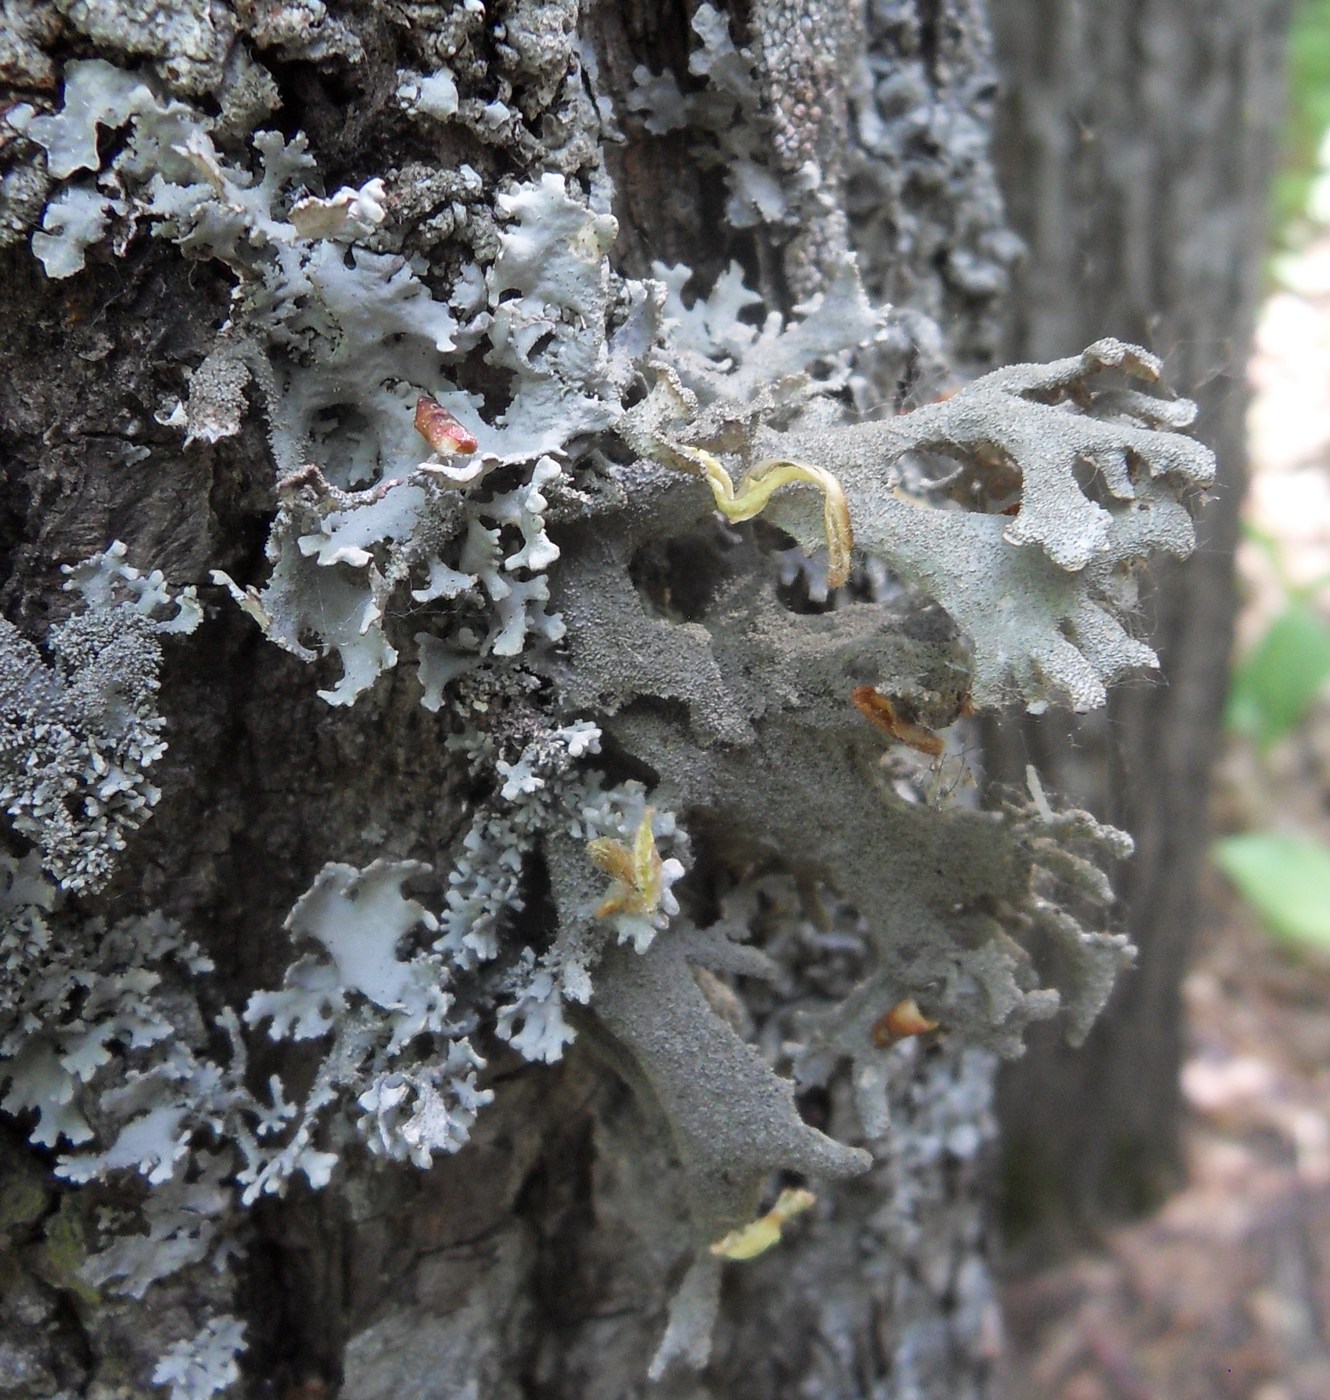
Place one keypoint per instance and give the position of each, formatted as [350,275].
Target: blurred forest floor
[1224,1293]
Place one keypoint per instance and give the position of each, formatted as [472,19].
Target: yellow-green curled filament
[765,479]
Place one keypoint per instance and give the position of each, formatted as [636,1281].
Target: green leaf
[1286,879]
[1275,686]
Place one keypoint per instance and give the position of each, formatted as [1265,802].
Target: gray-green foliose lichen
[510,575]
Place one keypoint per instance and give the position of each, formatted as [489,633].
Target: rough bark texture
[539,1261]
[1135,145]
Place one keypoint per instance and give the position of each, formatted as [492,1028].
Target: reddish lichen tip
[440,429]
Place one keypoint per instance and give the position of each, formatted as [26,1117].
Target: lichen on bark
[669,836]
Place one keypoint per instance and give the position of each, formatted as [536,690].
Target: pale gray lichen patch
[341,341]
[921,192]
[103,1051]
[205,1363]
[188,40]
[725,114]
[1040,600]
[1039,588]
[78,733]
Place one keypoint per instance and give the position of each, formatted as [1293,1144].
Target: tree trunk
[214,340]
[1136,147]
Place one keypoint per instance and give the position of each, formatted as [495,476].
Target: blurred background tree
[1136,144]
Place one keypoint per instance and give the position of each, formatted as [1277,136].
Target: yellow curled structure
[759,485]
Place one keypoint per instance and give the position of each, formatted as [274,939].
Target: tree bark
[540,1260]
[1136,147]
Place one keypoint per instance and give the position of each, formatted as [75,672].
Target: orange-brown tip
[904,1019]
[441,430]
[878,710]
